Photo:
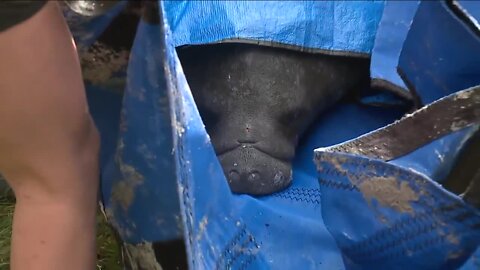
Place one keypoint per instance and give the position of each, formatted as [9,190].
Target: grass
[108,251]
[6,214]
[108,248]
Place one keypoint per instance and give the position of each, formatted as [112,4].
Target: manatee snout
[257,101]
[255,153]
[255,172]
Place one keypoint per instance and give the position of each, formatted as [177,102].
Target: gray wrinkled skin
[257,101]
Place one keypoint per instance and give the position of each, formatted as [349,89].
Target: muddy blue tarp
[359,205]
[332,26]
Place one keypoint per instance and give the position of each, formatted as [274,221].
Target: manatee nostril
[257,173]
[278,179]
[254,177]
[233,176]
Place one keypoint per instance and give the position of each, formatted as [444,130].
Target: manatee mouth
[251,170]
[259,146]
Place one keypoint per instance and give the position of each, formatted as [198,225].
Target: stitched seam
[370,247]
[434,241]
[337,185]
[300,195]
[246,263]
[403,225]
[298,199]
[229,255]
[363,165]
[302,191]
[227,250]
[250,256]
[237,254]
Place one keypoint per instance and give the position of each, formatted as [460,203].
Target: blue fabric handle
[387,217]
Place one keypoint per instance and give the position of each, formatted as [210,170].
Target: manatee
[256,102]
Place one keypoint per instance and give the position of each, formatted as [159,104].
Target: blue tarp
[164,181]
[342,26]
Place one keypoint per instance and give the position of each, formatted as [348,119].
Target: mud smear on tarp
[123,191]
[122,231]
[140,257]
[388,192]
[452,238]
[202,227]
